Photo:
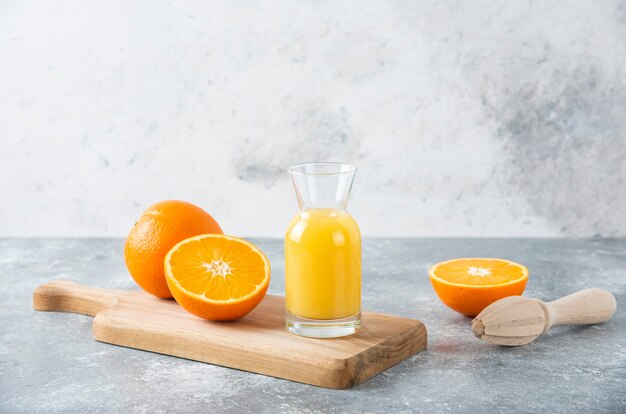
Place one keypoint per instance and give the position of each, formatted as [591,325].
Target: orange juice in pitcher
[323,254]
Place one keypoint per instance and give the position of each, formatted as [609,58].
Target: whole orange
[158,229]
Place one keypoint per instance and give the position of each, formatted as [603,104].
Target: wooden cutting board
[258,342]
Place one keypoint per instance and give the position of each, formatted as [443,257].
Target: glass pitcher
[323,254]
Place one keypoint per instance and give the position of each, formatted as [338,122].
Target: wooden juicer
[516,320]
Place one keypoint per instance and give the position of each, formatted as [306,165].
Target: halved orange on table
[217,277]
[470,285]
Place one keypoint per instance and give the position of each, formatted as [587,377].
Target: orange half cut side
[470,285]
[479,272]
[217,277]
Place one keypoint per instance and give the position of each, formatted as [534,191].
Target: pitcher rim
[293,168]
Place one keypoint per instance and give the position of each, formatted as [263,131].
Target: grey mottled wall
[488,118]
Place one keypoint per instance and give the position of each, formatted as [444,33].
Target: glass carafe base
[323,328]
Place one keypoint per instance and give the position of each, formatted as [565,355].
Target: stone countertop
[50,362]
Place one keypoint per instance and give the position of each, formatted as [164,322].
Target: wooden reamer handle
[66,296]
[581,308]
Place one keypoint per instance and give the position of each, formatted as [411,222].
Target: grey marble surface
[49,362]
[494,118]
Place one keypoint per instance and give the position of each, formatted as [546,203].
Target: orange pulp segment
[479,272]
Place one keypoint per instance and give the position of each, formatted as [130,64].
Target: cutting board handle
[66,296]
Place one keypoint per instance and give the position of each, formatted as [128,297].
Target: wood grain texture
[258,342]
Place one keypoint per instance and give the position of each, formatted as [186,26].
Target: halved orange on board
[470,285]
[217,277]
